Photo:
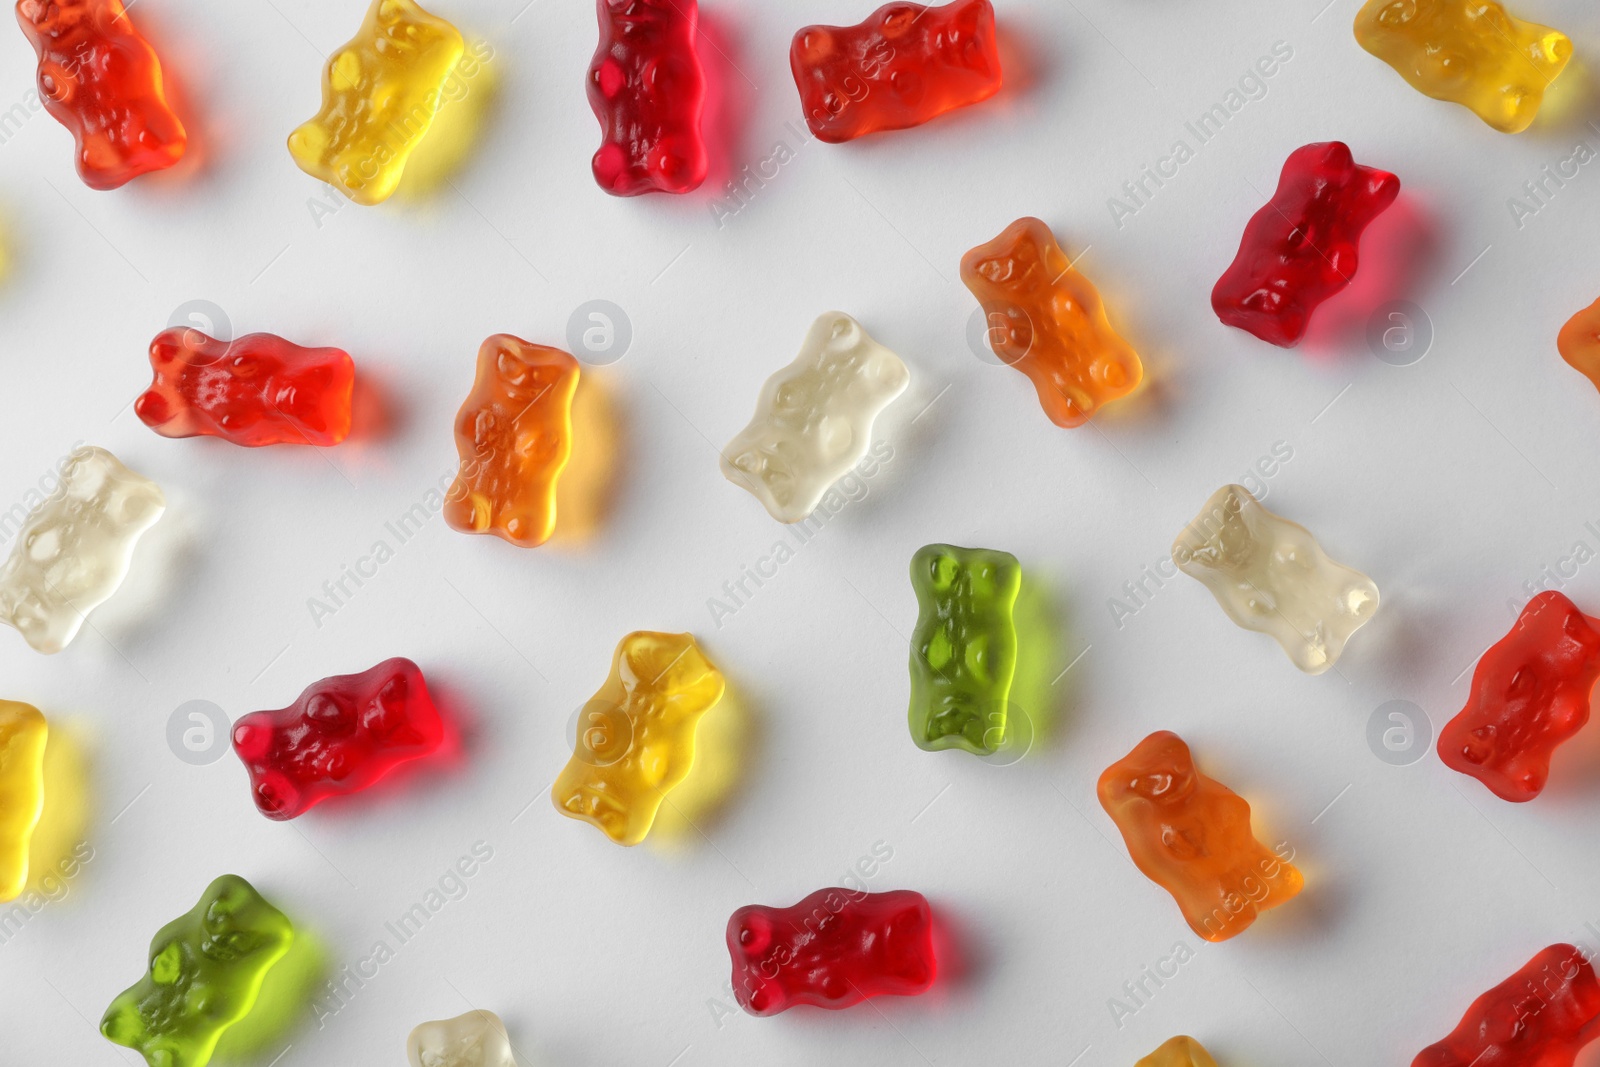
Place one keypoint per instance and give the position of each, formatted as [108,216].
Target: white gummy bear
[73,550]
[476,1039]
[814,419]
[1271,576]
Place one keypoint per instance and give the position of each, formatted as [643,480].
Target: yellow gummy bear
[1179,1052]
[1469,52]
[635,737]
[22,737]
[379,95]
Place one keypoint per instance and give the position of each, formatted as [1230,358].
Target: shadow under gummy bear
[1398,257]
[728,743]
[280,1008]
[588,489]
[68,802]
[1038,687]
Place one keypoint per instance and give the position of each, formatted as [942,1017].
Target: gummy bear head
[1160,770]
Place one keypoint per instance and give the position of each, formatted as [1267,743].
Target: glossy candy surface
[635,736]
[1301,248]
[1579,342]
[514,436]
[380,93]
[1469,52]
[1530,694]
[1179,1052]
[206,970]
[256,390]
[475,1039]
[102,81]
[340,737]
[835,948]
[1271,576]
[1047,320]
[964,647]
[813,420]
[23,734]
[75,547]
[904,65]
[1535,1018]
[1191,835]
[647,89]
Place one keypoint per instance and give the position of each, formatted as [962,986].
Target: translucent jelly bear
[1542,1016]
[341,736]
[1271,576]
[23,733]
[834,949]
[100,79]
[514,437]
[1530,694]
[647,89]
[73,551]
[380,93]
[1469,52]
[904,65]
[206,970]
[254,390]
[1047,320]
[635,740]
[813,420]
[1579,342]
[964,647]
[475,1039]
[1191,835]
[1303,246]
[1179,1052]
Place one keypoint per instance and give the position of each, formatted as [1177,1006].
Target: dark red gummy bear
[1535,1018]
[1530,693]
[833,949]
[1300,249]
[341,736]
[101,80]
[647,90]
[904,65]
[257,390]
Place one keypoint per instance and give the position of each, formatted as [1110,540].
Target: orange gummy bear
[1048,321]
[514,434]
[1191,835]
[1579,342]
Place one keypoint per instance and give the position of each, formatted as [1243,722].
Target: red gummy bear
[835,948]
[1300,249]
[101,80]
[647,90]
[904,65]
[341,736]
[1530,693]
[258,390]
[1535,1018]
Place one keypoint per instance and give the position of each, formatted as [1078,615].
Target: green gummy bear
[964,649]
[206,969]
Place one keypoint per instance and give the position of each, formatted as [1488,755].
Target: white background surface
[1451,482]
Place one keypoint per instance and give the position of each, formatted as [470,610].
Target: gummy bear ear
[844,333]
[167,346]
